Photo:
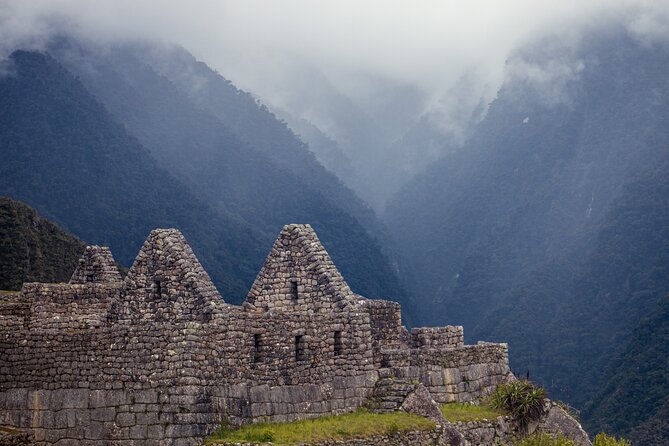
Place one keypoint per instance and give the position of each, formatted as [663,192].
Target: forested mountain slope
[234,154]
[255,125]
[33,249]
[64,154]
[635,401]
[548,229]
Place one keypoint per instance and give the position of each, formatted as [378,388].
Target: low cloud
[361,49]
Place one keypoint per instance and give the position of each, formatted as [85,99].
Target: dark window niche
[300,348]
[159,288]
[337,343]
[293,291]
[257,348]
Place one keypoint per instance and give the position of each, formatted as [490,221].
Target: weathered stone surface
[421,403]
[160,358]
[96,265]
[557,421]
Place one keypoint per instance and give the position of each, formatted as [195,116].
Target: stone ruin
[159,358]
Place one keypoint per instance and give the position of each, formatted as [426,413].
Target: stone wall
[14,311]
[463,374]
[386,326]
[160,358]
[68,307]
[438,337]
[96,265]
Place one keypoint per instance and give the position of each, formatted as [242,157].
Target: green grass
[543,439]
[455,412]
[358,424]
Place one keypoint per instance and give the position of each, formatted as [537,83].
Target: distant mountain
[254,125]
[33,249]
[548,229]
[327,150]
[233,153]
[65,155]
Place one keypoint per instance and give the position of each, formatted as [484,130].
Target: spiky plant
[522,400]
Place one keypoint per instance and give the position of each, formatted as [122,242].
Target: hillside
[65,155]
[634,400]
[548,228]
[33,249]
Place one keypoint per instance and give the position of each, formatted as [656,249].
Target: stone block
[125,419]
[148,396]
[103,414]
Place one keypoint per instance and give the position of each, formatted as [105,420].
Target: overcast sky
[358,45]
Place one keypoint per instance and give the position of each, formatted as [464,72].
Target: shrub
[604,440]
[521,399]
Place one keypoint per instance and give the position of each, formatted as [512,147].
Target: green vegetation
[33,249]
[604,440]
[358,424]
[522,399]
[455,412]
[543,439]
[635,400]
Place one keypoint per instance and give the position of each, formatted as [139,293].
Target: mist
[364,74]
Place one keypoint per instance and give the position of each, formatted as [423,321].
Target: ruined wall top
[299,275]
[96,265]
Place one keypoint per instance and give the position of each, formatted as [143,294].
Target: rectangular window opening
[337,343]
[257,348]
[159,289]
[293,291]
[299,348]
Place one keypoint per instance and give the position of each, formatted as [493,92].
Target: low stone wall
[451,336]
[461,374]
[485,432]
[475,433]
[437,437]
[174,415]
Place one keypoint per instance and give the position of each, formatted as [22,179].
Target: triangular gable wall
[96,265]
[298,275]
[168,277]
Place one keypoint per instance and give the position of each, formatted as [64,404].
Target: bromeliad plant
[522,400]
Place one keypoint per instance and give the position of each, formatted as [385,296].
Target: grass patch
[543,439]
[4,293]
[455,412]
[358,424]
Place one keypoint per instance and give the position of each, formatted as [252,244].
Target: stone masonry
[159,358]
